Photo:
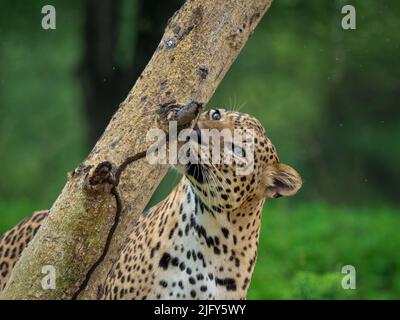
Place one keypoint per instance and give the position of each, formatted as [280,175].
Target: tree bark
[90,220]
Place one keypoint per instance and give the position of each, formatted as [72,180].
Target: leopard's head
[248,168]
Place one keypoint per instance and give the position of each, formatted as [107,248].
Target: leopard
[201,241]
[14,242]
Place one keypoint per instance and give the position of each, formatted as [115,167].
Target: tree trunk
[153,14]
[90,220]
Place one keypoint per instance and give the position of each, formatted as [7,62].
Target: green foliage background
[328,98]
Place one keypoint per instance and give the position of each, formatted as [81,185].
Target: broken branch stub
[103,197]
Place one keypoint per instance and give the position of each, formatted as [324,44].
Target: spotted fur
[13,242]
[201,241]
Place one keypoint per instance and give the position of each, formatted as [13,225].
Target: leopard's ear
[282,180]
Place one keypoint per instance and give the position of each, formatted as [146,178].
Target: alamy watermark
[202,146]
[349,18]
[49,280]
[49,18]
[349,280]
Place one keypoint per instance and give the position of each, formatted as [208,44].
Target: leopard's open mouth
[198,132]
[195,171]
[192,169]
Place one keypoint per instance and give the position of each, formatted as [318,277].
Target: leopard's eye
[239,151]
[216,115]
